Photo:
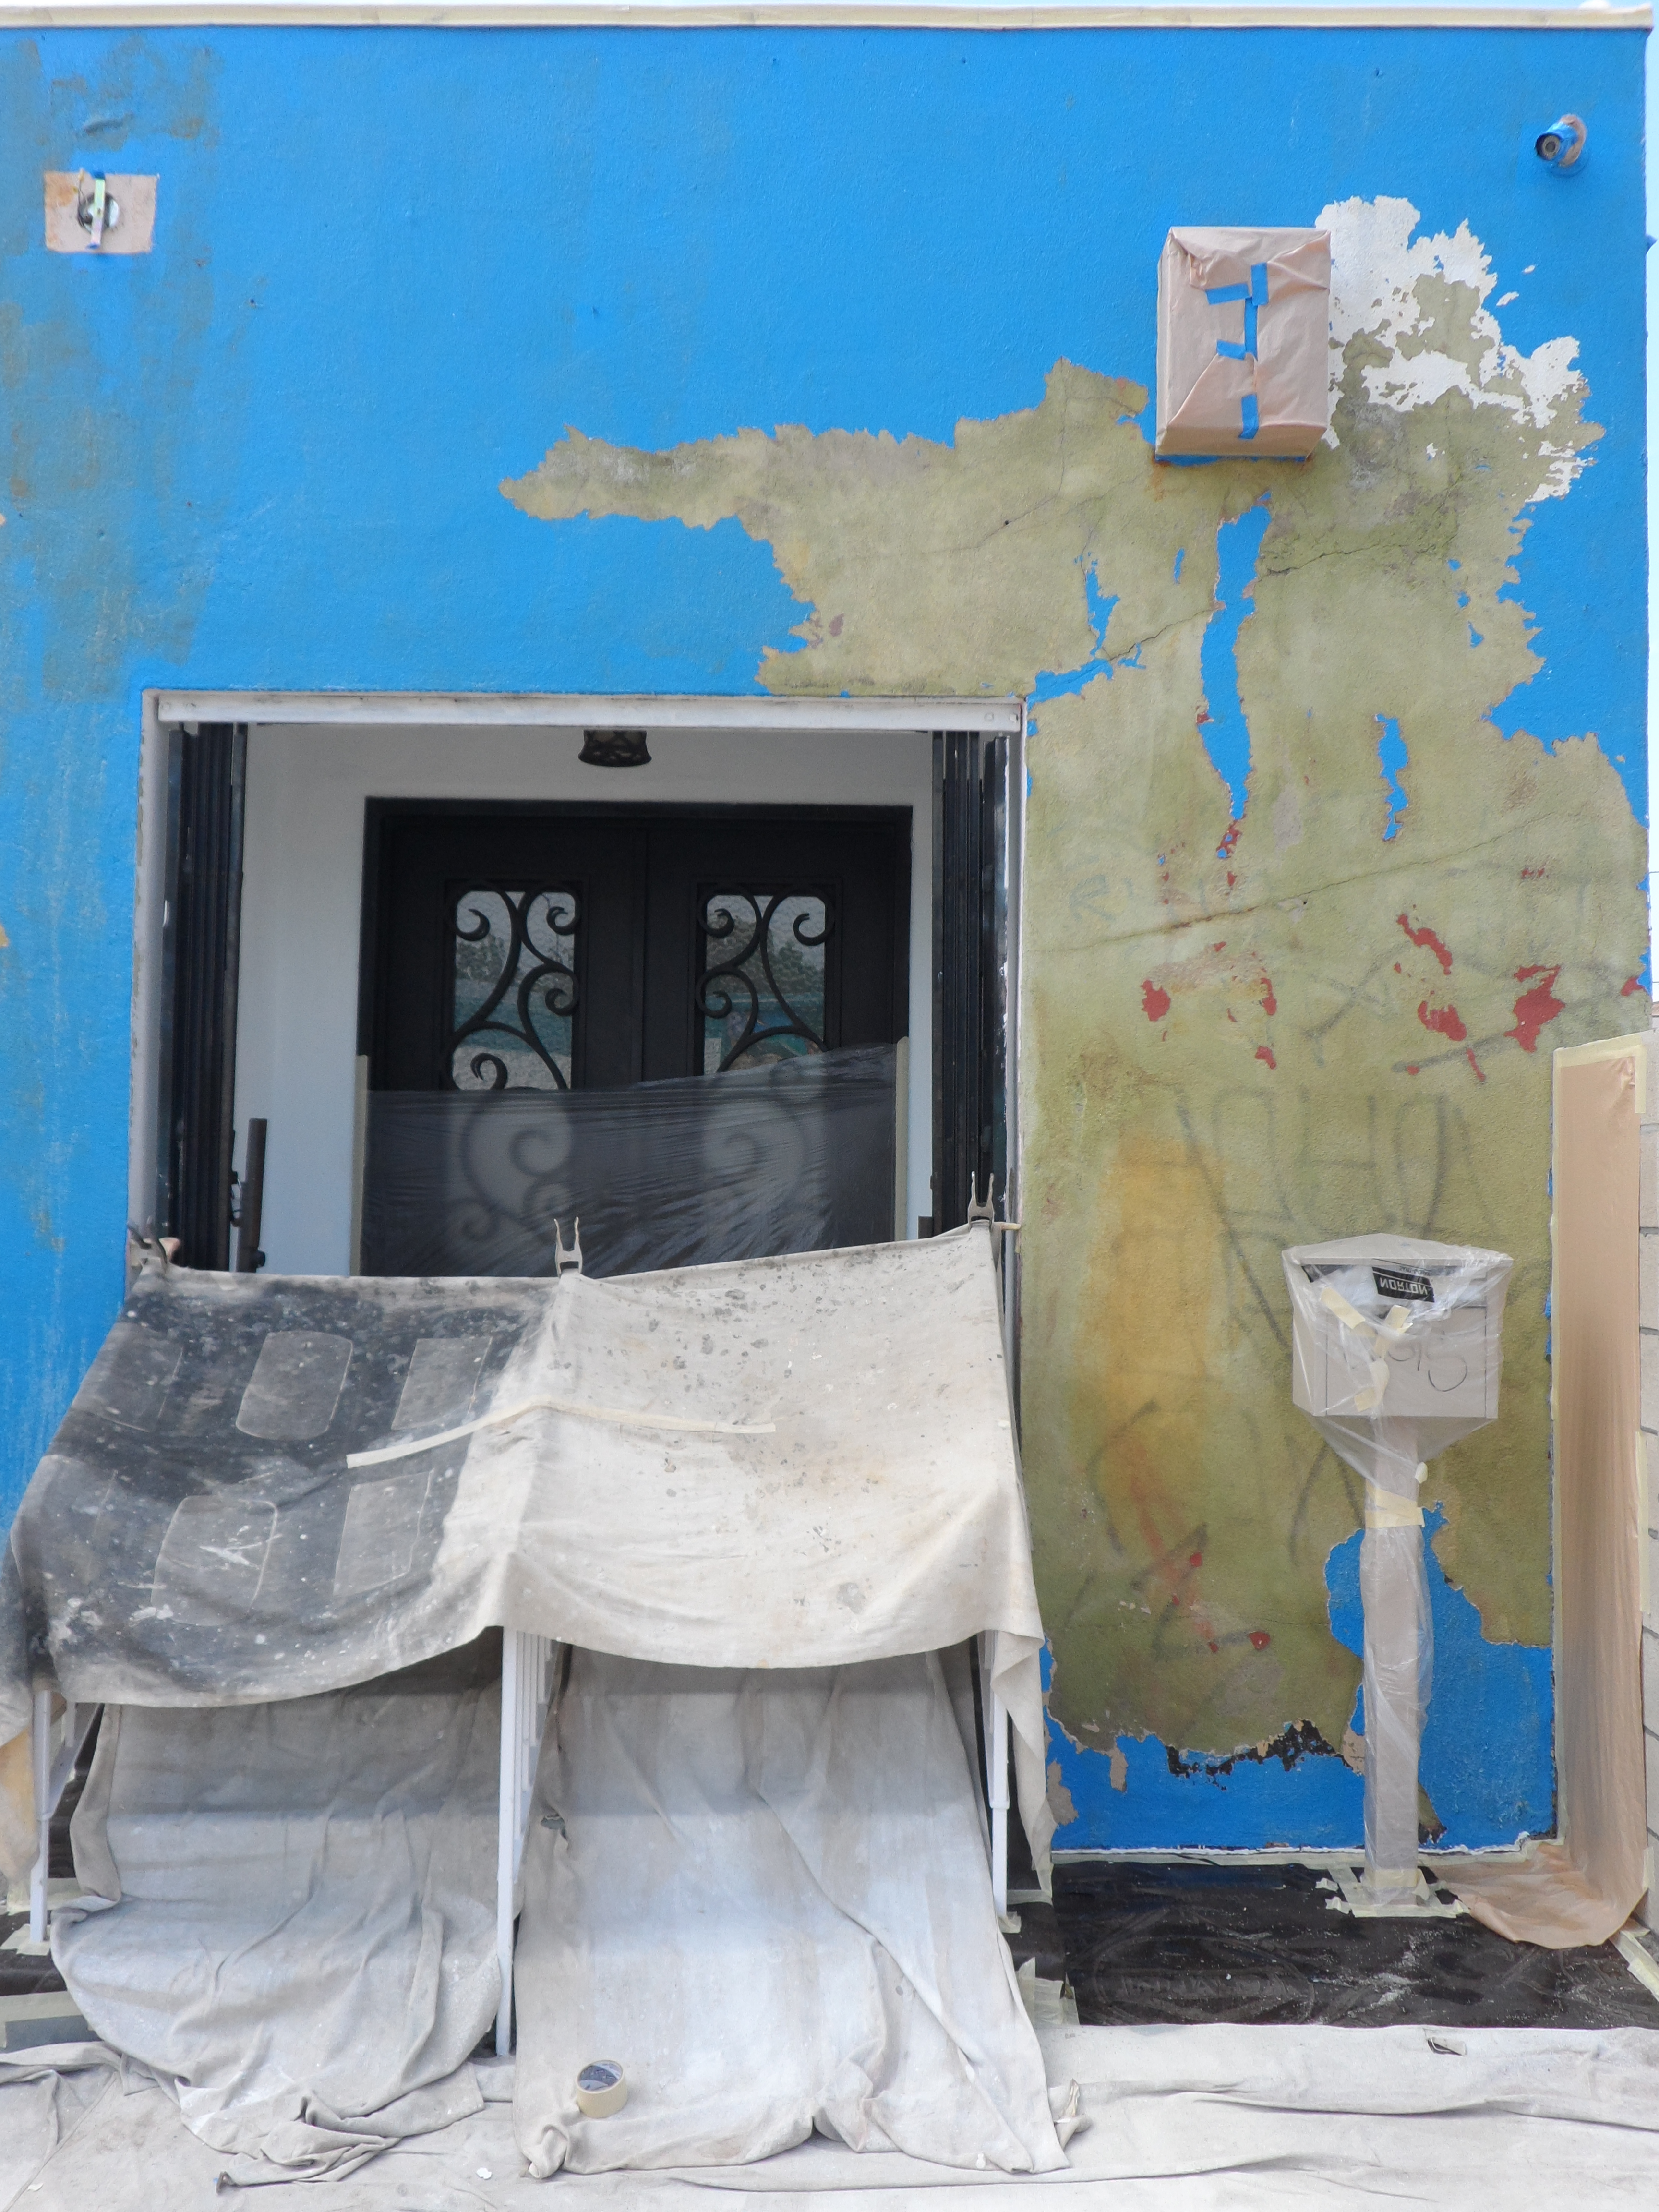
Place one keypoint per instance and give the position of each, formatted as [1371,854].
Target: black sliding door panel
[200,954]
[969,947]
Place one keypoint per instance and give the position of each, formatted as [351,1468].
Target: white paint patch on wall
[302,893]
[1378,271]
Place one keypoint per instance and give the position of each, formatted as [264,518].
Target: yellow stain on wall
[1240,1035]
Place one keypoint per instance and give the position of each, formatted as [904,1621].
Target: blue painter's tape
[1255,296]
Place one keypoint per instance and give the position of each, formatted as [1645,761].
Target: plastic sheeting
[1396,1351]
[767,1896]
[787,1462]
[1581,1887]
[797,1156]
[300,1936]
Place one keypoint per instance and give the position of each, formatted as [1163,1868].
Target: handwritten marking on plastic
[622,1416]
[1375,1336]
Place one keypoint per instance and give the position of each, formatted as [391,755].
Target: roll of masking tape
[601,2089]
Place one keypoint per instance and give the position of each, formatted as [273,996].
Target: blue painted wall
[391,266]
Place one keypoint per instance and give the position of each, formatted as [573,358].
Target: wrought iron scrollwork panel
[516,995]
[763,985]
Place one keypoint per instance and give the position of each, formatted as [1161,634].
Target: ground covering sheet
[1181,2120]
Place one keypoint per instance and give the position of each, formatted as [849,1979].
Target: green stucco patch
[1333,1013]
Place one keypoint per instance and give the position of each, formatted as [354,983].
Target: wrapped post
[1395,1352]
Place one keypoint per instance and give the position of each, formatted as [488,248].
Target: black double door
[553,948]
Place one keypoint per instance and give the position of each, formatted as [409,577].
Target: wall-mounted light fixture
[615,748]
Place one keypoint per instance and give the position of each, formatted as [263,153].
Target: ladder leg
[507,1836]
[40,1760]
[995,1715]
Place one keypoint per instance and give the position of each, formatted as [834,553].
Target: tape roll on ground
[601,2089]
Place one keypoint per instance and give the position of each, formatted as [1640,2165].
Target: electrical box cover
[1243,343]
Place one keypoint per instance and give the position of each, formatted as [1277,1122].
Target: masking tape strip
[1333,1301]
[622,1418]
[1385,1510]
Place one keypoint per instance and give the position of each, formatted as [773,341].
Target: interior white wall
[301,909]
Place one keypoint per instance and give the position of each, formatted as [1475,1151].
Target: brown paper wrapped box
[1243,336]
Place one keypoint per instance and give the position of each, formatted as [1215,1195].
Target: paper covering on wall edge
[1243,343]
[1583,1888]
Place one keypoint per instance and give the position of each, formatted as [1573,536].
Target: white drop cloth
[1184,2119]
[272,1486]
[304,1940]
[766,1894]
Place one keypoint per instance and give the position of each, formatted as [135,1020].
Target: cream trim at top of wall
[810,14]
[574,710]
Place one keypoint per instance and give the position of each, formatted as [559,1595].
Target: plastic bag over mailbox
[1396,1351]
[1396,1348]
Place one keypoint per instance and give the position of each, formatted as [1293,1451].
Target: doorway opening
[357,903]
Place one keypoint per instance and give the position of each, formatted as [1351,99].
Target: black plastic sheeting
[797,1156]
[1190,1941]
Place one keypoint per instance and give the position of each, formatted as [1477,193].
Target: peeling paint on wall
[1238,1033]
[894,242]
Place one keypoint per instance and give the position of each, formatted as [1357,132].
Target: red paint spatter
[1265,1051]
[1411,1069]
[1269,1003]
[1479,1072]
[1421,937]
[1534,1007]
[1229,840]
[1260,1639]
[1445,1019]
[1231,879]
[1215,1646]
[1155,1001]
[1634,985]
[1195,1559]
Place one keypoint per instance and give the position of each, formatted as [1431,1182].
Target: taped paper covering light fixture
[1395,1352]
[1243,339]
